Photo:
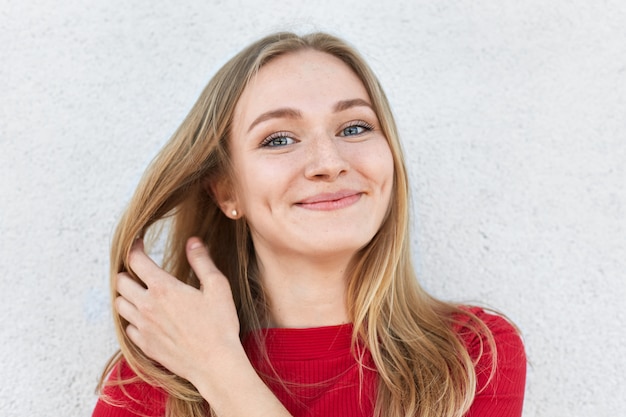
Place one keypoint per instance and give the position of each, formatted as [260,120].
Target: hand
[185,329]
[194,333]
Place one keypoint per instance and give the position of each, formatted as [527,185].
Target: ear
[224,195]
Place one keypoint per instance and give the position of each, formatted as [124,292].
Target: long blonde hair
[424,369]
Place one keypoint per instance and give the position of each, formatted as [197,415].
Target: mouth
[331,201]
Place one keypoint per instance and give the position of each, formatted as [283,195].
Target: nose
[325,159]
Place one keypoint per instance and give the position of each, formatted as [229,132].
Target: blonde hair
[424,369]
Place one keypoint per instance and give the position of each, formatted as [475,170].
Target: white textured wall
[513,116]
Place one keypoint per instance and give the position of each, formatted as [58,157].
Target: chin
[334,247]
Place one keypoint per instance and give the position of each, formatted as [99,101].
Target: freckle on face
[270,182]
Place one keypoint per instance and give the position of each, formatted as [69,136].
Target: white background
[513,117]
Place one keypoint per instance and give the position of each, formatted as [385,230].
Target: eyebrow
[346,104]
[287,113]
[290,113]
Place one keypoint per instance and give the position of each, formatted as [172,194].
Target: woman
[287,286]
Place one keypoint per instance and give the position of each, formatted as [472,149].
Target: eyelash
[277,135]
[359,123]
[274,136]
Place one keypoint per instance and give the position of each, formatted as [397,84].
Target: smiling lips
[331,201]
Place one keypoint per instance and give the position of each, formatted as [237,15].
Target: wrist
[209,375]
[232,387]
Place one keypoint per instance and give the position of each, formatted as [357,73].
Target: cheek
[388,162]
[261,183]
[389,174]
[380,161]
[384,174]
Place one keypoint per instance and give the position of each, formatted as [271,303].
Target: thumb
[201,262]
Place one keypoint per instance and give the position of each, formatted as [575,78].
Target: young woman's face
[313,171]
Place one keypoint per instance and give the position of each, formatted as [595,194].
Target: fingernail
[195,244]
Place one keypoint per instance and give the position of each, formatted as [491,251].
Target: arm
[194,333]
[502,395]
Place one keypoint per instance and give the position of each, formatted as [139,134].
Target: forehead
[303,79]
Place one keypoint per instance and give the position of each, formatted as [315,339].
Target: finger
[143,266]
[128,311]
[200,260]
[128,288]
[134,335]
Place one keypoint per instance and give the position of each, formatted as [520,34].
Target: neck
[303,291]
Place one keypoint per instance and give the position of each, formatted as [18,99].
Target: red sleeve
[503,394]
[136,399]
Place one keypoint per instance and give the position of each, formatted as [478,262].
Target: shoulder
[498,352]
[126,395]
[477,327]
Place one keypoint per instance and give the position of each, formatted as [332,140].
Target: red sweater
[325,375]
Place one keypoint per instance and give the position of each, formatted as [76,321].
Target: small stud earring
[234,213]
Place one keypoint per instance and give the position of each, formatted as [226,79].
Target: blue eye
[352,130]
[277,139]
[357,128]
